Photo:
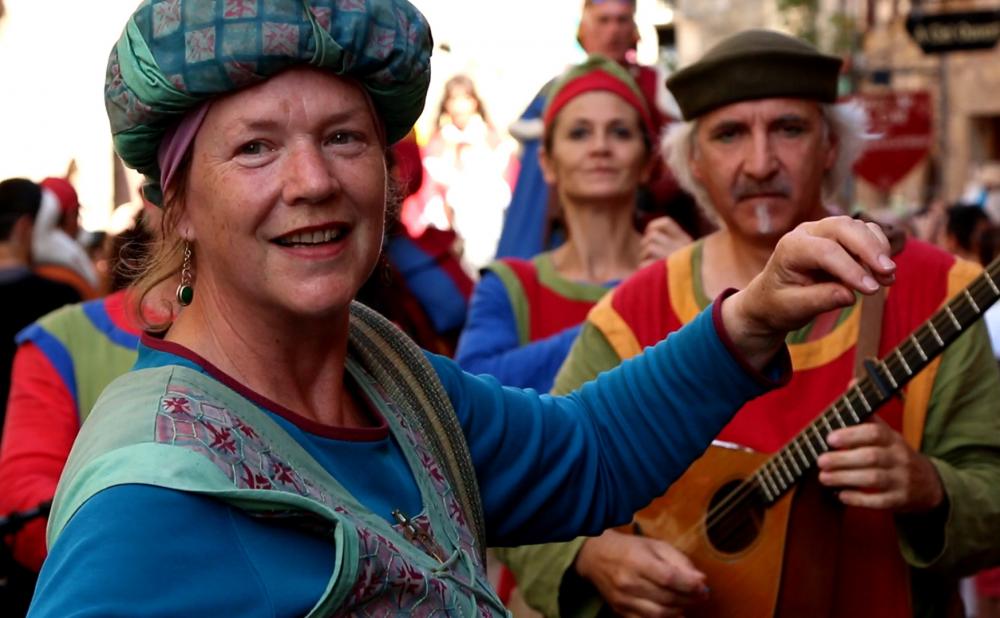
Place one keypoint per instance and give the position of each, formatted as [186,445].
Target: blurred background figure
[62,363]
[984,189]
[55,250]
[532,225]
[26,294]
[598,147]
[469,170]
[419,283]
[929,223]
[26,297]
[965,228]
[597,150]
[969,234]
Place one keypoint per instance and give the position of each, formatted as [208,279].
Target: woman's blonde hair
[161,266]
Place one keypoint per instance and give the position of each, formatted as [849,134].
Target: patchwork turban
[175,54]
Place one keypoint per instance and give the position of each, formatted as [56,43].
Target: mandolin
[732,511]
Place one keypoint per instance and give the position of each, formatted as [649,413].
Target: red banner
[902,123]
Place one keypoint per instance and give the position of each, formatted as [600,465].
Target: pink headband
[177,141]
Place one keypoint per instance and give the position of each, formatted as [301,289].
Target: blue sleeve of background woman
[537,105]
[137,550]
[551,468]
[438,294]
[490,343]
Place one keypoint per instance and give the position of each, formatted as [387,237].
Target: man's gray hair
[845,124]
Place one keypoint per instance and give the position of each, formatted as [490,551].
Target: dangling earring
[185,291]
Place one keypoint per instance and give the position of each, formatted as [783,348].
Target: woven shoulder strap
[873,307]
[401,368]
[869,331]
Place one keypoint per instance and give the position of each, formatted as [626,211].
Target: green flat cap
[755,64]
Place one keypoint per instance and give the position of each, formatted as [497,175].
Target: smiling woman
[281,450]
[298,226]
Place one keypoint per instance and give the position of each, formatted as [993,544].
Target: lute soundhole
[733,521]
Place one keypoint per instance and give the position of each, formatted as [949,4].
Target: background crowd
[500,244]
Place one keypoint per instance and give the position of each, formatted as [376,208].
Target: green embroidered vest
[177,428]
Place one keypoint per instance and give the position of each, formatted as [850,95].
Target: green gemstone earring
[185,291]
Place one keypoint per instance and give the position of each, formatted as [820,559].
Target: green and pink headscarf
[176,55]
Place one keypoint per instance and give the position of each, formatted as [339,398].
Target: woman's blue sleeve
[138,550]
[552,468]
[490,344]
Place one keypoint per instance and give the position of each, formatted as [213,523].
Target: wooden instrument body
[783,557]
[782,562]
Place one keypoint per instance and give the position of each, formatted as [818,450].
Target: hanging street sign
[901,122]
[946,32]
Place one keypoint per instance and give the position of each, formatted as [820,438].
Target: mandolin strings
[899,366]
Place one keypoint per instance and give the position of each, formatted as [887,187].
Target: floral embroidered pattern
[241,73]
[166,18]
[240,8]
[323,16]
[190,420]
[122,105]
[280,39]
[381,42]
[199,45]
[178,81]
[389,582]
[357,6]
[441,487]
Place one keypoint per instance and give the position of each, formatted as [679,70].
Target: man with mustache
[763,146]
